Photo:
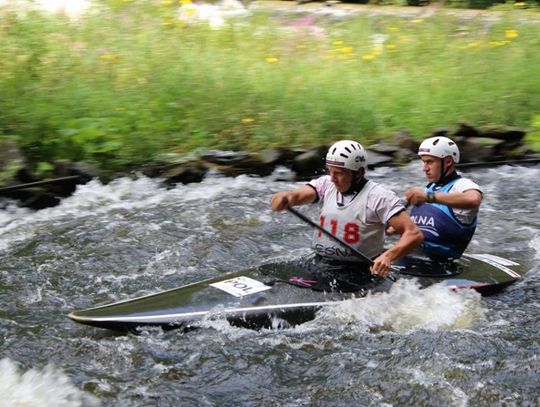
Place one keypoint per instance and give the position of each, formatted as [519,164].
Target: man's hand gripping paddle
[358,253]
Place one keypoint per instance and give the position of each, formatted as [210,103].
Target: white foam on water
[88,200]
[46,387]
[535,245]
[428,380]
[406,307]
[122,194]
[216,321]
[9,223]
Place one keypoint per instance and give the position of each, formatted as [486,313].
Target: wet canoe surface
[276,295]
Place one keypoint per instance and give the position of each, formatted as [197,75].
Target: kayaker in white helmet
[354,209]
[446,210]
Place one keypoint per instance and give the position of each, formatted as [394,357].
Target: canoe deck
[280,294]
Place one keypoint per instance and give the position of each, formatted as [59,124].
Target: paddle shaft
[330,235]
[11,188]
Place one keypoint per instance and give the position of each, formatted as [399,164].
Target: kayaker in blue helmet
[355,210]
[446,210]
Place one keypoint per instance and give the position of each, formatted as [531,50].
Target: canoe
[281,295]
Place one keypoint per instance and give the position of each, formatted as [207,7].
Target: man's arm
[281,200]
[469,199]
[410,238]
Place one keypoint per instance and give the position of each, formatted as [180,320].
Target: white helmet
[439,147]
[347,154]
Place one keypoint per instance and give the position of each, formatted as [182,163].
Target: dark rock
[397,154]
[233,164]
[34,198]
[465,130]
[75,173]
[310,163]
[41,199]
[376,160]
[384,154]
[440,132]
[519,152]
[383,148]
[24,175]
[404,156]
[474,149]
[278,156]
[63,189]
[85,172]
[483,146]
[509,134]
[404,140]
[185,173]
[282,173]
[63,168]
[224,157]
[153,170]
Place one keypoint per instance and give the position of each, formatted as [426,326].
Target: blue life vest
[444,235]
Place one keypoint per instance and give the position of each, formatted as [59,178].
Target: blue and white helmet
[439,147]
[347,154]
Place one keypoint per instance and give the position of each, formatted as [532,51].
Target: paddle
[11,188]
[358,253]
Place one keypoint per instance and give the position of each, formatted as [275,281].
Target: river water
[408,347]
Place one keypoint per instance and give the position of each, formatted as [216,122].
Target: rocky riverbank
[479,146]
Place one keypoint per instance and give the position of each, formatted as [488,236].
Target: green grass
[123,85]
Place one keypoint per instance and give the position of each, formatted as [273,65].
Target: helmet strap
[441,176]
[446,171]
[357,183]
[448,174]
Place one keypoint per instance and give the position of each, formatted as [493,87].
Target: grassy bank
[126,83]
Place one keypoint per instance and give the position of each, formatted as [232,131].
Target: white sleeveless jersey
[361,222]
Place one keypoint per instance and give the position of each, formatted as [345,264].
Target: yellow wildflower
[184,2]
[520,4]
[368,57]
[390,46]
[498,43]
[337,43]
[190,10]
[404,39]
[418,20]
[511,34]
[474,44]
[109,57]
[248,120]
[346,50]
[271,60]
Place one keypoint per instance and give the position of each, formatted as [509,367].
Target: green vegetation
[131,81]
[533,137]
